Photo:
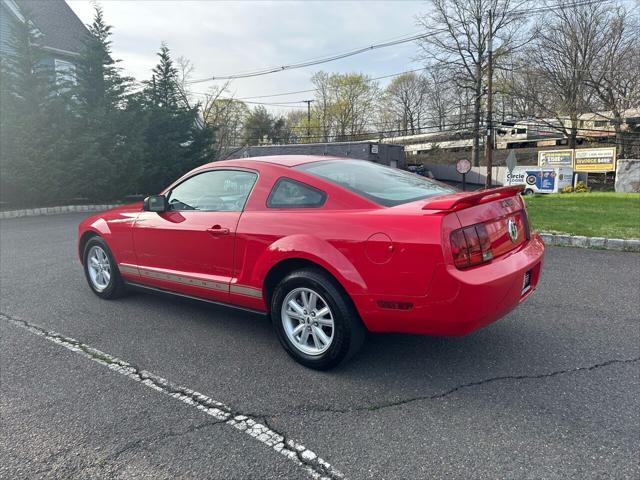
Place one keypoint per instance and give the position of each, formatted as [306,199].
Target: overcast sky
[227,37]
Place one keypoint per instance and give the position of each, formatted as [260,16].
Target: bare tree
[444,101]
[551,79]
[227,117]
[185,69]
[614,76]
[404,98]
[322,106]
[462,31]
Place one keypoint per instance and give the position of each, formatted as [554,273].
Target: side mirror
[155,203]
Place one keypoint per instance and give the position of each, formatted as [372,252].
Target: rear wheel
[315,321]
[101,270]
[527,191]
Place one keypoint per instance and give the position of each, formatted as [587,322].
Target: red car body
[395,263]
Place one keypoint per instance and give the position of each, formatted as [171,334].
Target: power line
[330,58]
[314,89]
[400,40]
[310,90]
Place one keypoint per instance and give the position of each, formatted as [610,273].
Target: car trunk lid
[494,222]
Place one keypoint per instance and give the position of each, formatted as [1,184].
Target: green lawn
[596,214]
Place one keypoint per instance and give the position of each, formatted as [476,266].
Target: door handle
[218,230]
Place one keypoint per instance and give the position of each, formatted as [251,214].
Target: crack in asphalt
[249,424]
[103,462]
[436,396]
[257,424]
[157,438]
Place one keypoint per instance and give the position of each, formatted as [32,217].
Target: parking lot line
[315,466]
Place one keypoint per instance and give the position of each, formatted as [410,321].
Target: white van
[541,179]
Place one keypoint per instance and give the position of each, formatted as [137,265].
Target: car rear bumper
[459,301]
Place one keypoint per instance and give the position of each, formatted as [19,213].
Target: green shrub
[581,187]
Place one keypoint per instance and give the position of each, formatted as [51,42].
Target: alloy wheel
[308,321]
[99,268]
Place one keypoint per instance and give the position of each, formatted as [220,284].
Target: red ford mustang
[329,247]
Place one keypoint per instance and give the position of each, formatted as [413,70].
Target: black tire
[115,287]
[348,330]
[527,191]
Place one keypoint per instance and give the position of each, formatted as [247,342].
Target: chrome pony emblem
[513,230]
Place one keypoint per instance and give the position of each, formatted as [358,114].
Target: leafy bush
[581,187]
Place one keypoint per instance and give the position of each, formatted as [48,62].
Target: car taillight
[459,249]
[471,246]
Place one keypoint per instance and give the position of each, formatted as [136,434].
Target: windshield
[384,185]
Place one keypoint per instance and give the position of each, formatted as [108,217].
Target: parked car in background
[421,170]
[329,247]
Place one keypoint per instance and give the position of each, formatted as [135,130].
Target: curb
[34,212]
[599,243]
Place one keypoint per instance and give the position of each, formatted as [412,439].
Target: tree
[297,126]
[552,74]
[258,126]
[405,100]
[99,80]
[460,32]
[614,75]
[89,136]
[176,140]
[345,105]
[32,123]
[109,130]
[322,114]
[164,81]
[226,117]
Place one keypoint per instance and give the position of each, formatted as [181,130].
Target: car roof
[282,160]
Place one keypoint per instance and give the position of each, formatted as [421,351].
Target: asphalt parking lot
[551,391]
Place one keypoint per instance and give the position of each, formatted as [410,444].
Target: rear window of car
[384,185]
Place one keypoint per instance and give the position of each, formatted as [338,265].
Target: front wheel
[101,269]
[315,321]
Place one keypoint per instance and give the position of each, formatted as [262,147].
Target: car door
[190,247]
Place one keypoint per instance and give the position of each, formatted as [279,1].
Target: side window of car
[215,190]
[289,193]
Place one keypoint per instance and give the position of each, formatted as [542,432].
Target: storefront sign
[555,158]
[595,159]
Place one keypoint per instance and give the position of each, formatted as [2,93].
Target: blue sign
[542,179]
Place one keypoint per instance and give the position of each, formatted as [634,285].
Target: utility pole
[488,146]
[308,102]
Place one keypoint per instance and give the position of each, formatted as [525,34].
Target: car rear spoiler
[458,201]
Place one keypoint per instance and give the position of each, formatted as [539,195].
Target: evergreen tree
[31,123]
[108,163]
[175,141]
[164,82]
[100,83]
[91,137]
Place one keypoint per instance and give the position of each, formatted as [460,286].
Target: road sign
[463,166]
